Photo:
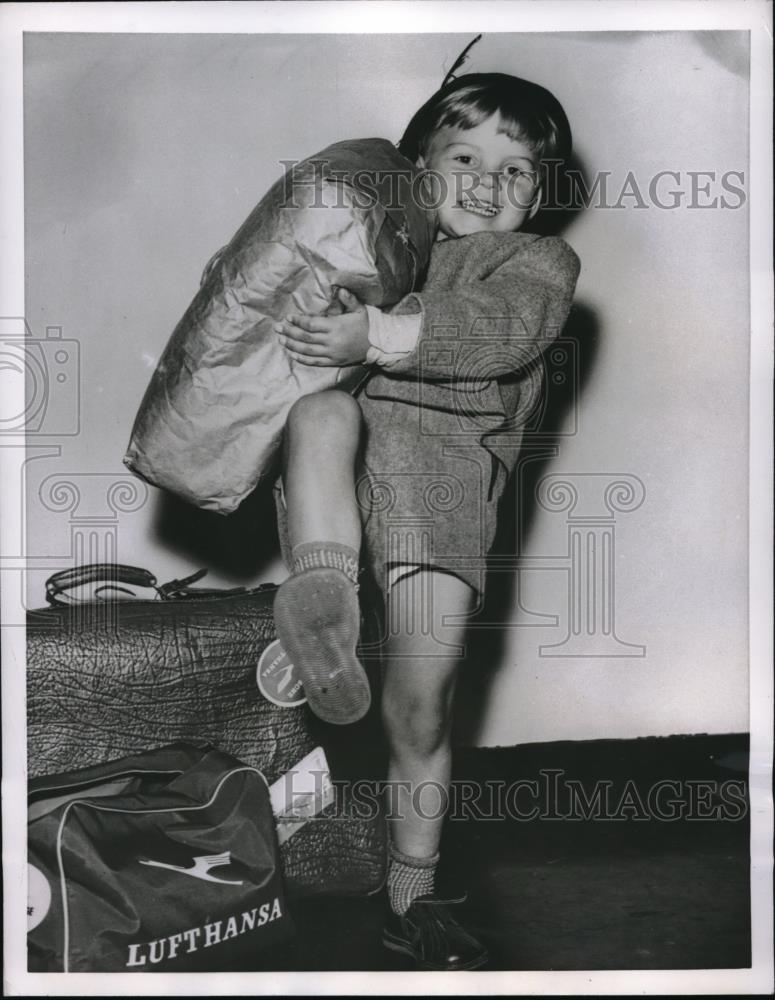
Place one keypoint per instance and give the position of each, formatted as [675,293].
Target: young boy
[409,474]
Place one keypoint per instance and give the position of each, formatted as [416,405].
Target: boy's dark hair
[531,114]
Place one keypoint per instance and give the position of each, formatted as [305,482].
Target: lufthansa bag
[165,861]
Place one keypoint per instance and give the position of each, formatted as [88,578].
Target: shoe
[318,624]
[433,938]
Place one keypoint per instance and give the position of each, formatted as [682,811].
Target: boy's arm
[518,310]
[470,330]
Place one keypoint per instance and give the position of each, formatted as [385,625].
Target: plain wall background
[144,153]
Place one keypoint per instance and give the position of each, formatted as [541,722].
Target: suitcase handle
[117,576]
[117,573]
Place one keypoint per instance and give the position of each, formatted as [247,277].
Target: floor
[630,889]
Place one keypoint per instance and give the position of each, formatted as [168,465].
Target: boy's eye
[513,171]
[521,174]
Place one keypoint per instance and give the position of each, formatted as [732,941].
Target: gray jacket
[455,407]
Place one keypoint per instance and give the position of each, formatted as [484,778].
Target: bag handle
[118,573]
[118,576]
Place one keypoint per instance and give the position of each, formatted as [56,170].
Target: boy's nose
[488,178]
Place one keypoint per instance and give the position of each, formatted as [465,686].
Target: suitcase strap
[119,577]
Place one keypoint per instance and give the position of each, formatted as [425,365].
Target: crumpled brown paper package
[211,421]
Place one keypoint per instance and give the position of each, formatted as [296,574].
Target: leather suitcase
[110,679]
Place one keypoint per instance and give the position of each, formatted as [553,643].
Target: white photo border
[381,17]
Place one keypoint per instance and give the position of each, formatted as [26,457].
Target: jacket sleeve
[495,325]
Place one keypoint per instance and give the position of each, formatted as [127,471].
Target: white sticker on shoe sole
[278,679]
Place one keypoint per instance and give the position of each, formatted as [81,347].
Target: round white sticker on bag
[38,897]
[278,679]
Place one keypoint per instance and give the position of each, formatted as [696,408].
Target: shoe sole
[318,624]
[397,944]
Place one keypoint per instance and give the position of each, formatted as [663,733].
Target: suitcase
[110,678]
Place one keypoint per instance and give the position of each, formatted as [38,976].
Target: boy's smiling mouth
[485,209]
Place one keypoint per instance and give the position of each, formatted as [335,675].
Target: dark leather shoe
[432,937]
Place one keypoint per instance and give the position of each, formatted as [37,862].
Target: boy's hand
[328,341]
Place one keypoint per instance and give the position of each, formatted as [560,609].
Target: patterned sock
[333,555]
[409,878]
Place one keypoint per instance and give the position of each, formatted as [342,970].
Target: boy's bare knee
[416,726]
[331,411]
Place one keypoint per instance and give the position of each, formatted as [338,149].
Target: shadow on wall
[238,546]
[560,202]
[486,646]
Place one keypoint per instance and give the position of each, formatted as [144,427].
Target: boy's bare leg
[316,609]
[322,437]
[422,660]
[421,664]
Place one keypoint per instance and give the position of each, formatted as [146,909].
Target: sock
[333,555]
[409,878]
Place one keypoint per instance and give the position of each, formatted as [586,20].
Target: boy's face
[485,181]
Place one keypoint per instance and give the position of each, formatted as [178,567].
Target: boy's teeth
[479,208]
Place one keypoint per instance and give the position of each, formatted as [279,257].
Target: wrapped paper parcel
[210,424]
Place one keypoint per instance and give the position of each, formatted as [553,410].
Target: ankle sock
[331,555]
[409,878]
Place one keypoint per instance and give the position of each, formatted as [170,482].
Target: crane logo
[201,867]
[278,679]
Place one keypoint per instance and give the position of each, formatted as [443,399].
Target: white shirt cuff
[391,337]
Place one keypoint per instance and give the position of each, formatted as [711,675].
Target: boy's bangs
[467,111]
[526,130]
[528,114]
